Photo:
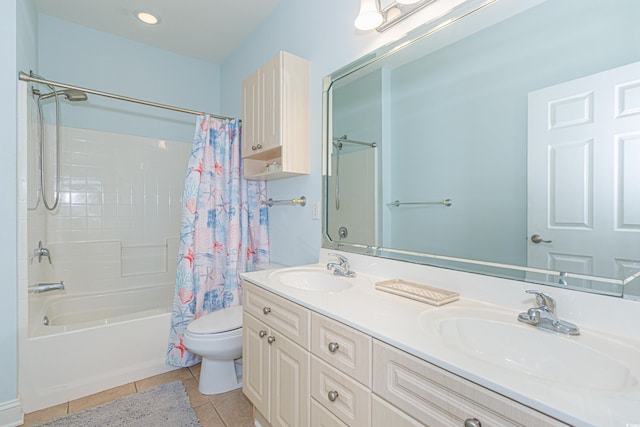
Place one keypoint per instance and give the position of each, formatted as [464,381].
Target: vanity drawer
[439,398]
[342,347]
[287,317]
[344,397]
[321,417]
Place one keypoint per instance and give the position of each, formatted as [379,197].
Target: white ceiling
[208,30]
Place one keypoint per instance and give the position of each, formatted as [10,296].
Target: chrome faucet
[544,315]
[46,287]
[341,268]
[40,252]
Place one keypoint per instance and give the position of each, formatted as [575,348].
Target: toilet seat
[217,322]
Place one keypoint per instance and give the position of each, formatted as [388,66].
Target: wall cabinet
[275,119]
[302,368]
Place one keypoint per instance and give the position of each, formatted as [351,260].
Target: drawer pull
[259,146]
[333,395]
[271,339]
[266,310]
[472,422]
[262,334]
[254,148]
[333,347]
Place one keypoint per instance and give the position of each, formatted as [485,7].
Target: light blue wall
[84,57]
[323,33]
[8,302]
[18,32]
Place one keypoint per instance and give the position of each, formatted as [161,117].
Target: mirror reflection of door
[583,171]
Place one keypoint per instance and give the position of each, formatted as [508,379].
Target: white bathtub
[94,342]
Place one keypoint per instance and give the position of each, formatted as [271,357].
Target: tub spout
[46,287]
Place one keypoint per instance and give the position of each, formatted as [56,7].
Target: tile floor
[230,409]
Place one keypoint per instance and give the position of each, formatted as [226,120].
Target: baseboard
[10,413]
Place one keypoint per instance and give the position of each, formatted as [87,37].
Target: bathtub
[93,342]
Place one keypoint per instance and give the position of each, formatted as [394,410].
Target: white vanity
[354,356]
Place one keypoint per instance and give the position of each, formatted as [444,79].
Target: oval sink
[311,279]
[588,360]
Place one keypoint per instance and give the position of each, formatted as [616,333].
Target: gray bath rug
[163,406]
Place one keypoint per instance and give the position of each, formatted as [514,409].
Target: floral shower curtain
[223,230]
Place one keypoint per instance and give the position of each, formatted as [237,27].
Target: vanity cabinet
[303,368]
[275,367]
[275,119]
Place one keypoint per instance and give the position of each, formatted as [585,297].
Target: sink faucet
[46,287]
[544,315]
[341,268]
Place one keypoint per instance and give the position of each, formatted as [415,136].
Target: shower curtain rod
[29,78]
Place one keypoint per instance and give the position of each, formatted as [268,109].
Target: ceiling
[208,30]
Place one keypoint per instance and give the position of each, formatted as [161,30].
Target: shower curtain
[223,230]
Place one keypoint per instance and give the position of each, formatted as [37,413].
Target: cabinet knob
[333,347]
[262,333]
[266,310]
[472,422]
[332,395]
[271,339]
[259,146]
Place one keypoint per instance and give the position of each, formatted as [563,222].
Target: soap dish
[418,292]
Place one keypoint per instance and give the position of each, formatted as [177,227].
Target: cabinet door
[384,415]
[255,363]
[250,112]
[290,399]
[271,103]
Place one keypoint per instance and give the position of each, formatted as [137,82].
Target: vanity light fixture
[373,16]
[147,18]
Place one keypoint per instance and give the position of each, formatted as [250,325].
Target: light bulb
[369,16]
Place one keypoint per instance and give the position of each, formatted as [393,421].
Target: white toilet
[217,337]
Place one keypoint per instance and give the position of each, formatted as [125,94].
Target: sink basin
[497,339]
[314,279]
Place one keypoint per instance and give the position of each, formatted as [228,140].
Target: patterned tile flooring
[230,409]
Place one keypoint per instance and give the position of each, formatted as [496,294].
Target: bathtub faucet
[46,287]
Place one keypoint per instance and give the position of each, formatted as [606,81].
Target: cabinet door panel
[271,105]
[385,415]
[255,363]
[250,111]
[289,383]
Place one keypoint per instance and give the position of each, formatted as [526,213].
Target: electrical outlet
[315,214]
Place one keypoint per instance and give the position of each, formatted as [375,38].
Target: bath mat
[166,405]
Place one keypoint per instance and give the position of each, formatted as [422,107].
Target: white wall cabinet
[275,119]
[302,368]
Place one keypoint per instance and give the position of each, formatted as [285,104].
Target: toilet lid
[226,319]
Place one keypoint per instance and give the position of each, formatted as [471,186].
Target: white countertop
[396,320]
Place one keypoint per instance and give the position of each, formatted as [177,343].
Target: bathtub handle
[271,339]
[266,310]
[262,333]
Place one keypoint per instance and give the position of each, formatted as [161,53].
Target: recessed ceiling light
[147,18]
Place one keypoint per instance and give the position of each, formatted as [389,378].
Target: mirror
[502,138]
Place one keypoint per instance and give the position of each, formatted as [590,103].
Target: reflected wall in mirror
[524,116]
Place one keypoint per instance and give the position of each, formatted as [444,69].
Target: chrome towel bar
[396,203]
[301,201]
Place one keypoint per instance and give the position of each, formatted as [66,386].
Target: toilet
[217,337]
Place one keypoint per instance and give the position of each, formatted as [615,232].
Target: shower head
[71,95]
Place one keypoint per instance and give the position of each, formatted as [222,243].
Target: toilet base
[218,376]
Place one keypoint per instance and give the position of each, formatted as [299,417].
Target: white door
[584,176]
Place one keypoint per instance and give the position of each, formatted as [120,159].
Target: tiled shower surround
[117,221]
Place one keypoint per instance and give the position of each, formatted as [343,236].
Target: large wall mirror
[502,138]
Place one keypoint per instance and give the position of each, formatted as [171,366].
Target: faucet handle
[343,259]
[543,300]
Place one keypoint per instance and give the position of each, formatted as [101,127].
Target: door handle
[536,238]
